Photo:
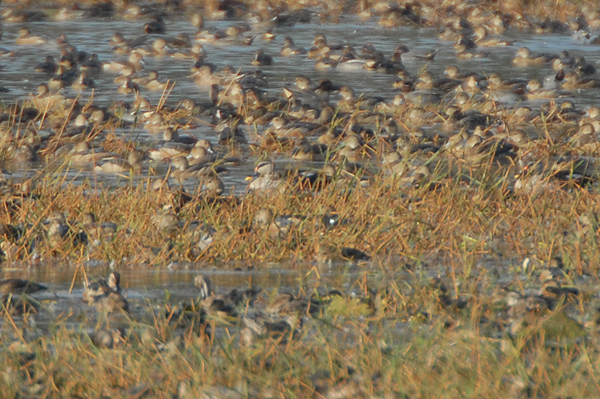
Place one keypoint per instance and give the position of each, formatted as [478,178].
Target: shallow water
[147,290]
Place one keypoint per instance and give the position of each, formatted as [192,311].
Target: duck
[525,58]
[320,52]
[255,80]
[83,82]
[583,67]
[153,84]
[64,77]
[82,153]
[159,48]
[95,288]
[320,47]
[230,132]
[362,64]
[91,64]
[134,61]
[196,52]
[579,170]
[320,40]
[9,251]
[290,48]
[237,29]
[106,295]
[416,177]
[591,115]
[573,81]
[287,304]
[428,82]
[212,185]
[155,26]
[96,232]
[282,128]
[18,306]
[17,286]
[534,177]
[349,101]
[169,149]
[346,174]
[155,121]
[325,63]
[182,40]
[206,75]
[327,254]
[225,304]
[204,286]
[265,178]
[206,145]
[181,169]
[48,66]
[403,54]
[19,15]
[261,59]
[505,91]
[564,61]
[586,139]
[27,39]
[305,151]
[190,107]
[536,91]
[57,229]
[454,72]
[496,82]
[305,94]
[483,40]
[128,86]
[275,226]
[465,42]
[132,12]
[128,73]
[125,46]
[132,164]
[464,53]
[166,221]
[354,150]
[469,85]
[209,35]
[201,155]
[393,164]
[320,117]
[45,99]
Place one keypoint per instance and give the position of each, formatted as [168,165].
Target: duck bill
[254,176]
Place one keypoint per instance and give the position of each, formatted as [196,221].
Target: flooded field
[225,199]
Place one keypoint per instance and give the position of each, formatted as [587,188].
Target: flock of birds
[355,139]
[354,135]
[260,314]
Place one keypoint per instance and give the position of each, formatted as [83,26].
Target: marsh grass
[335,354]
[424,321]
[462,213]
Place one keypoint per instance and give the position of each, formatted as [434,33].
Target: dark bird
[19,286]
